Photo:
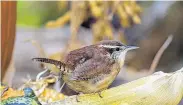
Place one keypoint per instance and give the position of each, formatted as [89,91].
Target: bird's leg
[77,96]
[77,99]
[99,93]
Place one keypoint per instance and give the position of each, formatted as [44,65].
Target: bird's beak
[131,48]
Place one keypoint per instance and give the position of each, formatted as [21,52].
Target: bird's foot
[77,99]
[78,96]
[99,93]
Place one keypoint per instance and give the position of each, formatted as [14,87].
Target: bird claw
[99,93]
[77,100]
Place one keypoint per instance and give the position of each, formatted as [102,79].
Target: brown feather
[63,67]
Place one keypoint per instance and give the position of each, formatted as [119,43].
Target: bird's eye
[117,49]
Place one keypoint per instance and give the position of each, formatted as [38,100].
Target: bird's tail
[58,64]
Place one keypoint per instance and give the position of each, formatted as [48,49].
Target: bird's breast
[95,84]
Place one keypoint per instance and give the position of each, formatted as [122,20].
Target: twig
[159,54]
[60,90]
[40,74]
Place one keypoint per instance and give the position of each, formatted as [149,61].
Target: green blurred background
[37,13]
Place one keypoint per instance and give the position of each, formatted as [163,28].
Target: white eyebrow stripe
[108,46]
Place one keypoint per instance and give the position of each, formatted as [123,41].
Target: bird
[92,68]
[29,98]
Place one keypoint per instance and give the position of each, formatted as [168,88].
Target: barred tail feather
[58,64]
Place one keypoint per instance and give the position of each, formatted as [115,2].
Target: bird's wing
[92,68]
[78,56]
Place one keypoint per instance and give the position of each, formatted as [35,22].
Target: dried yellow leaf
[11,93]
[95,10]
[136,19]
[60,21]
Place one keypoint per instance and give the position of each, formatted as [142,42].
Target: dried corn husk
[157,89]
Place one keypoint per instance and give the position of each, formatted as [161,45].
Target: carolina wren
[92,68]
